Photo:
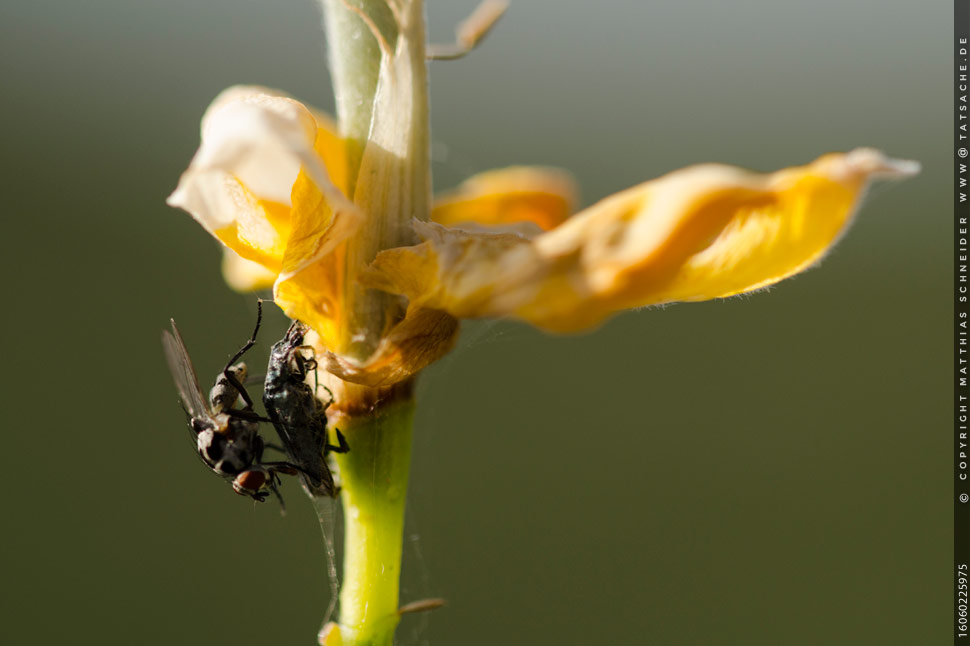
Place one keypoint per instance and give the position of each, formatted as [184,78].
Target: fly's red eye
[249,482]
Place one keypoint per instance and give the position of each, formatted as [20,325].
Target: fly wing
[184,374]
[303,444]
[304,447]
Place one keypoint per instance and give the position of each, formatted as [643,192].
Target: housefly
[227,438]
[299,417]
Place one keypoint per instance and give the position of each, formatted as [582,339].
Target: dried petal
[420,339]
[451,270]
[699,233]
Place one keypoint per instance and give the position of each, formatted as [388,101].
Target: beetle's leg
[342,446]
[309,364]
[306,362]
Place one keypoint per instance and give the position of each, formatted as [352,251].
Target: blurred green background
[763,470]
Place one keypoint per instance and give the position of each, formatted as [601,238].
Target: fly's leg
[276,492]
[253,380]
[227,371]
[247,414]
[288,468]
[277,466]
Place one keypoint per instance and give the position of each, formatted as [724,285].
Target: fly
[298,416]
[227,438]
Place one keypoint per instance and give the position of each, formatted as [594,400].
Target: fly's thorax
[224,395]
[224,455]
[242,431]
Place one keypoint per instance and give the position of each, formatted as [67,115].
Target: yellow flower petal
[313,296]
[317,228]
[543,196]
[699,233]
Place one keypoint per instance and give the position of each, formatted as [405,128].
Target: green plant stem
[374,478]
[355,61]
[388,162]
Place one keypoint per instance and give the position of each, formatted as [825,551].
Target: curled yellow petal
[311,297]
[543,196]
[317,228]
[699,233]
[259,229]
